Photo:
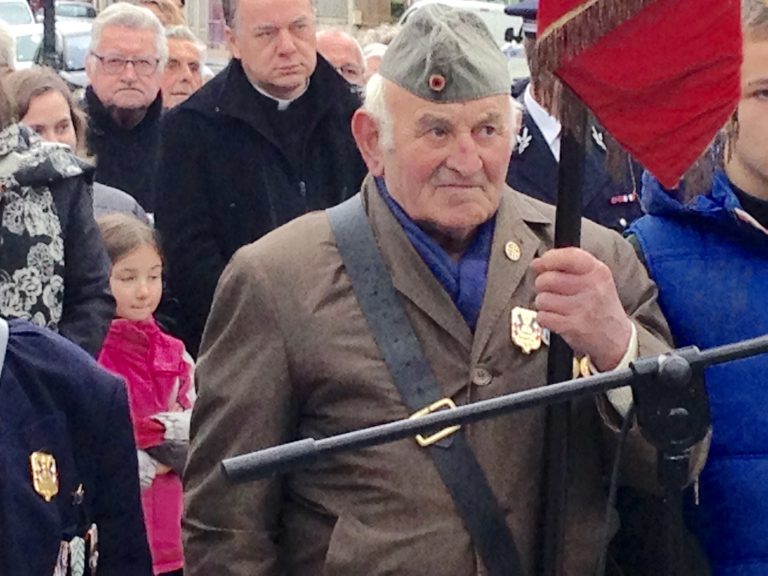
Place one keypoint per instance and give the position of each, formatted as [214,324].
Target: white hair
[375,103]
[7,46]
[125,15]
[374,50]
[184,33]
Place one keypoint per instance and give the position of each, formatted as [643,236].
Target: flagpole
[573,116]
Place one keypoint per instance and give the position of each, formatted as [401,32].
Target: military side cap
[528,10]
[446,55]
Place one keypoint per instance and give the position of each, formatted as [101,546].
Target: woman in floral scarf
[53,267]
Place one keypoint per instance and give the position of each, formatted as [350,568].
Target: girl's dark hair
[25,85]
[122,234]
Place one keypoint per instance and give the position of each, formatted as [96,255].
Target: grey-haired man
[289,352]
[125,65]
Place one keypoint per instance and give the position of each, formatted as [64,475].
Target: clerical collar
[281,103]
[548,124]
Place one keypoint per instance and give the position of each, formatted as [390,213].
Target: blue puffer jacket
[711,265]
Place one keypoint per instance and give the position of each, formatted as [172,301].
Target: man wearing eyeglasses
[268,139]
[125,64]
[344,53]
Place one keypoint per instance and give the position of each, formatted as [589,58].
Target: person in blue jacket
[709,257]
[69,485]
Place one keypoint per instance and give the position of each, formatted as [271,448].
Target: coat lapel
[410,275]
[505,274]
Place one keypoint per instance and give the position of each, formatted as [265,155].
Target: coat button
[481,376]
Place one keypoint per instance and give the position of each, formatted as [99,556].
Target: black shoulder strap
[418,388]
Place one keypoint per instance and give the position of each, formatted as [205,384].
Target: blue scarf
[465,280]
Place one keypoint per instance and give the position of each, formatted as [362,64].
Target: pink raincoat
[158,379]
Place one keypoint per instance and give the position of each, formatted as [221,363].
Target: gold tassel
[583,27]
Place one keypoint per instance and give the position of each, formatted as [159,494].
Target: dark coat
[225,178]
[88,303]
[125,158]
[55,399]
[533,170]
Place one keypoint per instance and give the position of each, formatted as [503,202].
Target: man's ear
[365,129]
[231,37]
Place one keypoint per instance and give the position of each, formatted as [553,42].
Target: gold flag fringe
[577,30]
[583,27]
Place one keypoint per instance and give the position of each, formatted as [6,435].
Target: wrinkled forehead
[274,13]
[127,41]
[180,49]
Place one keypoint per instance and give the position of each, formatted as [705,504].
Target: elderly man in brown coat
[288,352]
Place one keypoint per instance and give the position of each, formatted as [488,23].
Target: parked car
[72,40]
[28,38]
[16,12]
[71,10]
[75,10]
[506,30]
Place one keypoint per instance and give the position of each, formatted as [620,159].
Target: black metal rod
[301,453]
[49,33]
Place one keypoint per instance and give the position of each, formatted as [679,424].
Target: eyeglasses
[114,65]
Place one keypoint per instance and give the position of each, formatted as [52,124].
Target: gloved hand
[147,469]
[176,425]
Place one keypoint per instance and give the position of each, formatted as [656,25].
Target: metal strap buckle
[425,441]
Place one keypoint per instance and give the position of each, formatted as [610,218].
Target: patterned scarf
[31,239]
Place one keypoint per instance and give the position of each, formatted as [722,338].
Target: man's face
[131,88]
[344,54]
[183,74]
[447,162]
[748,163]
[275,41]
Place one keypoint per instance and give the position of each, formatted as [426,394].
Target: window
[16,13]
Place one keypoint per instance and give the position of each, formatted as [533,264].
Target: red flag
[662,76]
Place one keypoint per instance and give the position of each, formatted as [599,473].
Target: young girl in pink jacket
[158,375]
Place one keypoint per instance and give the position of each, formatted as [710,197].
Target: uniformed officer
[69,488]
[608,199]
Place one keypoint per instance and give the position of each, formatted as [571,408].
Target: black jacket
[227,176]
[125,158]
[56,401]
[533,170]
[88,303]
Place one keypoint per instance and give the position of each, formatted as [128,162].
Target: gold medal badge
[526,331]
[45,478]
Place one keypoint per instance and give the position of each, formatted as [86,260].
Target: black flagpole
[560,360]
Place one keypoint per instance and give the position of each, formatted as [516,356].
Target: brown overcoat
[287,354]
